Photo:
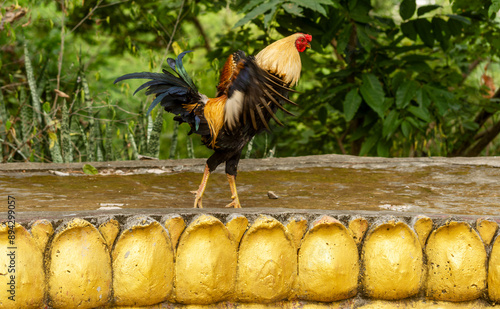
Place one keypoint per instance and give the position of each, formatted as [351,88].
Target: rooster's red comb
[308,37]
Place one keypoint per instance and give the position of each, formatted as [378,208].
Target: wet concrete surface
[429,186]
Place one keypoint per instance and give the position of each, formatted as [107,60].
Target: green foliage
[352,102]
[40,126]
[66,135]
[89,169]
[394,88]
[407,9]
[373,93]
[154,136]
[383,77]
[269,8]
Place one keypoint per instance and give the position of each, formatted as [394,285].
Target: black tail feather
[172,91]
[153,76]
[148,84]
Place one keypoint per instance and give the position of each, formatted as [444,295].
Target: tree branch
[88,15]
[172,36]
[490,135]
[61,53]
[470,147]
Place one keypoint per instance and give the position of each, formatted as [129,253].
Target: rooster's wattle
[250,91]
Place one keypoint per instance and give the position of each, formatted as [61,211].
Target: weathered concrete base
[348,304]
[225,258]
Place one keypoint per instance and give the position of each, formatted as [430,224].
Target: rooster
[249,93]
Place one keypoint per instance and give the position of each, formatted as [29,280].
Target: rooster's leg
[201,189]
[234,194]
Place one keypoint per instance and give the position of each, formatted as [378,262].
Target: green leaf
[293,9]
[46,107]
[215,64]
[422,98]
[52,139]
[495,41]
[364,39]
[332,93]
[268,16]
[391,123]
[397,79]
[408,29]
[343,38]
[373,93]
[460,18]
[368,144]
[333,3]
[470,125]
[131,126]
[361,12]
[352,102]
[90,170]
[8,125]
[424,30]
[421,112]
[467,5]
[416,123]
[388,102]
[405,93]
[440,97]
[407,9]
[314,5]
[352,4]
[441,31]
[427,8]
[383,148]
[259,10]
[494,7]
[433,92]
[406,128]
[251,4]
[455,27]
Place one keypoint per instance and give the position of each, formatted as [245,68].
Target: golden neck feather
[282,58]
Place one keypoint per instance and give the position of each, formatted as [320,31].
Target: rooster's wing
[252,93]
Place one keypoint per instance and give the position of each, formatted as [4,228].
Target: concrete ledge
[422,185]
[196,165]
[253,258]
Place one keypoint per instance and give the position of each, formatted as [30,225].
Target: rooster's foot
[235,203]
[201,189]
[197,202]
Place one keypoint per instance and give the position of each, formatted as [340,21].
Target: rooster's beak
[308,46]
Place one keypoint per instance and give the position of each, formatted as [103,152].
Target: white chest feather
[233,109]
